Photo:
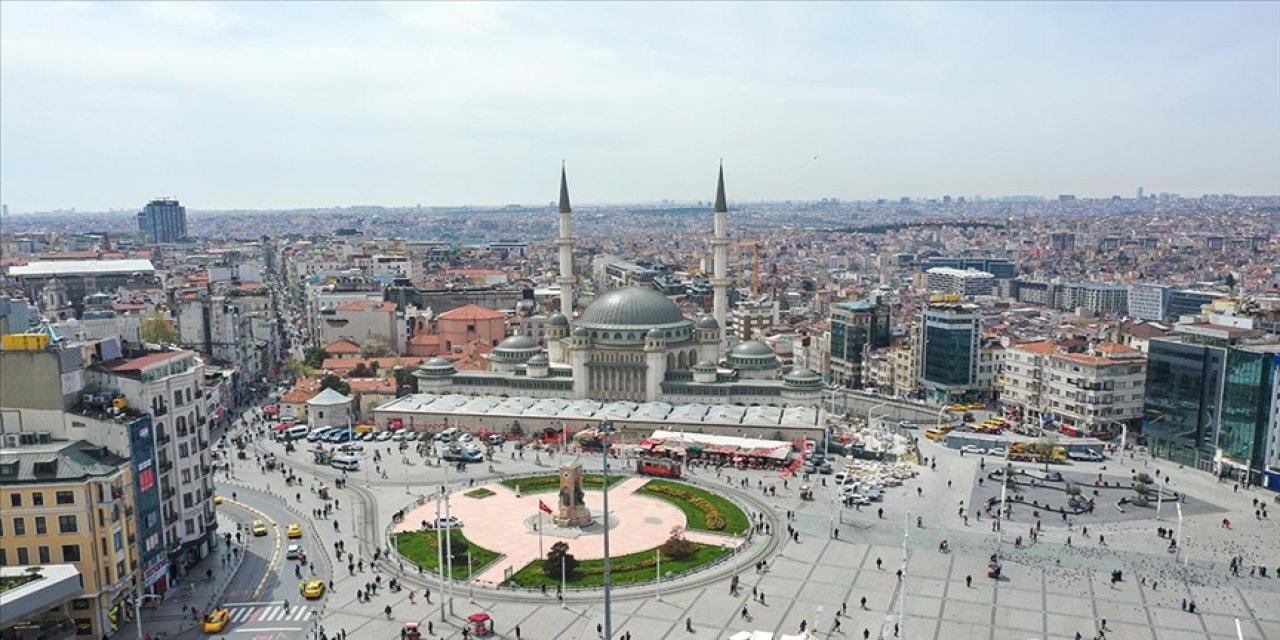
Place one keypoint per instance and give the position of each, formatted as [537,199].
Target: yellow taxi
[293,531]
[975,406]
[313,589]
[216,621]
[957,407]
[217,499]
[259,528]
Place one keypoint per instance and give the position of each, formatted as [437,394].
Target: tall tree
[315,356]
[158,328]
[558,557]
[332,381]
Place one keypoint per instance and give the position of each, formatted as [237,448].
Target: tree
[1045,446]
[1142,490]
[332,381]
[557,558]
[157,328]
[314,357]
[1230,280]
[677,547]
[296,368]
[361,371]
[376,347]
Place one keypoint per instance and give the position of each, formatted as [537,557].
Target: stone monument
[573,509]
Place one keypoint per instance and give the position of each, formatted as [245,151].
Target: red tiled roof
[342,346]
[141,362]
[366,305]
[338,365]
[372,385]
[471,312]
[303,390]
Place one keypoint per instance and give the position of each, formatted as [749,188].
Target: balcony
[168,492]
[205,469]
[160,411]
[163,439]
[166,466]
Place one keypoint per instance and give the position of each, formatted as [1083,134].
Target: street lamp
[902,584]
[137,608]
[872,410]
[605,429]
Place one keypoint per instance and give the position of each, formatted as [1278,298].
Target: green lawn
[478,493]
[735,520]
[419,547]
[542,484]
[636,567]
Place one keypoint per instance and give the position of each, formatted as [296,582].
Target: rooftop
[471,312]
[81,267]
[58,462]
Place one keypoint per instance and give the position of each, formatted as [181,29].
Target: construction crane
[755,264]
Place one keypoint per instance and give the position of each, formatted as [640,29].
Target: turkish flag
[543,506]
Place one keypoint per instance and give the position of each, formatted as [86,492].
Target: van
[447,434]
[345,462]
[296,432]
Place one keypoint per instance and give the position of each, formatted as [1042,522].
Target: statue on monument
[573,508]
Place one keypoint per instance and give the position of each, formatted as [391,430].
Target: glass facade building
[1184,384]
[952,335]
[163,221]
[1246,407]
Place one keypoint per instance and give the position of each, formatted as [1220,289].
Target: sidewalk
[173,617]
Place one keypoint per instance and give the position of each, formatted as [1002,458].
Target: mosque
[632,345]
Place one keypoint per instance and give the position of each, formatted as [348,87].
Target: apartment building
[169,386]
[963,282]
[1074,384]
[950,341]
[71,503]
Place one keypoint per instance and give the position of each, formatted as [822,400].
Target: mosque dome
[539,361]
[705,365]
[707,322]
[557,320]
[631,307]
[654,333]
[581,332]
[436,367]
[516,349]
[802,378]
[753,355]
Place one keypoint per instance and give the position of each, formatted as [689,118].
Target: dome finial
[721,204]
[564,190]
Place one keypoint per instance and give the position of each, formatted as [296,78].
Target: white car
[973,448]
[384,436]
[445,522]
[398,436]
[996,451]
[293,552]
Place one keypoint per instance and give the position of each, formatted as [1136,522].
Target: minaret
[720,247]
[565,241]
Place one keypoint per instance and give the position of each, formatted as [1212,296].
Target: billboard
[146,487]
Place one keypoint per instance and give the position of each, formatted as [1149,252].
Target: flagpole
[540,553]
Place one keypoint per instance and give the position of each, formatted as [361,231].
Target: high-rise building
[1148,301]
[1065,241]
[1095,297]
[1140,193]
[163,220]
[856,328]
[951,336]
[1087,387]
[1210,398]
[964,282]
[1000,268]
[1186,302]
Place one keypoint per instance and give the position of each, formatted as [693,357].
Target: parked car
[826,469]
[496,439]
[996,451]
[398,436]
[445,522]
[411,436]
[384,436]
[973,448]
[350,448]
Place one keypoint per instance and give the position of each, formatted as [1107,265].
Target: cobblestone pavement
[1048,590]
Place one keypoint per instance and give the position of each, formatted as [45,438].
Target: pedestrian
[968,581]
[864,603]
[836,625]
[866,634]
[517,632]
[745,615]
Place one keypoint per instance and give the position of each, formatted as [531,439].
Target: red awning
[478,617]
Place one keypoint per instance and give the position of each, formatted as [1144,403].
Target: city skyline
[259,106]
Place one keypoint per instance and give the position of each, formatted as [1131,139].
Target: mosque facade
[632,344]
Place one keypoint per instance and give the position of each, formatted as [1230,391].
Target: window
[42,552]
[183,450]
[37,499]
[15,499]
[19,527]
[71,553]
[23,558]
[65,497]
[67,524]
[177,398]
[41,526]
[4,558]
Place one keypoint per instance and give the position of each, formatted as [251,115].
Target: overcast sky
[279,105]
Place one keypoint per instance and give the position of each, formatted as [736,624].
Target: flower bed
[542,484]
[421,548]
[702,509]
[631,568]
[478,493]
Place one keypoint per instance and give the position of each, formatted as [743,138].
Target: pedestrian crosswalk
[267,612]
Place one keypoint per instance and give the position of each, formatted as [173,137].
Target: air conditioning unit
[12,440]
[43,437]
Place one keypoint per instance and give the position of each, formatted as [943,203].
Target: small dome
[517,343]
[654,333]
[751,349]
[707,322]
[539,360]
[436,366]
[802,378]
[557,320]
[705,365]
[581,332]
